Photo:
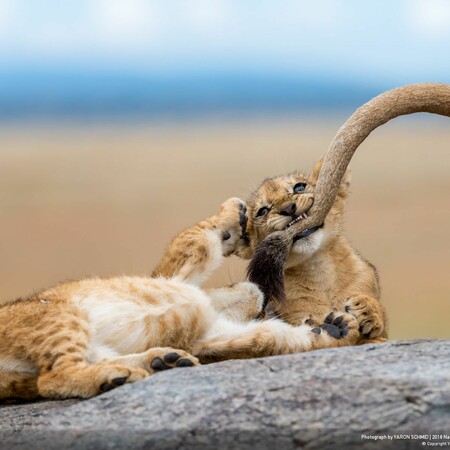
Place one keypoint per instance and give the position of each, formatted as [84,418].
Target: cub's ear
[345,184]
[316,170]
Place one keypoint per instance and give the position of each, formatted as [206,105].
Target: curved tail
[422,97]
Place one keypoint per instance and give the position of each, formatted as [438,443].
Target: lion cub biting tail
[85,337]
[321,270]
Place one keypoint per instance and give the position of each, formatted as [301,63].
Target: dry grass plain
[103,200]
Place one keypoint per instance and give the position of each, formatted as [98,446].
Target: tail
[423,97]
[266,268]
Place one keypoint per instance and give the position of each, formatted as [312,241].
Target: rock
[325,399]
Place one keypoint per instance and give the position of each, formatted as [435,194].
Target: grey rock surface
[325,399]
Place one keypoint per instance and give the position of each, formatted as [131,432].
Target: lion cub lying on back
[81,338]
[322,271]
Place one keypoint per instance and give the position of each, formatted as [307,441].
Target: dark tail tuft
[266,268]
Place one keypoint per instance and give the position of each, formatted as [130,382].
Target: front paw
[369,314]
[233,225]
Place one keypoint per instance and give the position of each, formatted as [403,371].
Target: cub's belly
[11,364]
[150,313]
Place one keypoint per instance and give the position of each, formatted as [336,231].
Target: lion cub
[322,270]
[85,337]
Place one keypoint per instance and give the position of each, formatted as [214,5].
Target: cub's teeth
[296,220]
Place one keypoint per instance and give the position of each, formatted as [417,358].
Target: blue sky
[383,42]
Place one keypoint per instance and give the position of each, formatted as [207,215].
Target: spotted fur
[82,338]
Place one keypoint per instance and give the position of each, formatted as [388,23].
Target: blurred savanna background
[124,121]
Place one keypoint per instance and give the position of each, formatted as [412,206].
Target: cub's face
[283,201]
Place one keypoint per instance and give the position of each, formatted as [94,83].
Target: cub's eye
[262,211]
[299,187]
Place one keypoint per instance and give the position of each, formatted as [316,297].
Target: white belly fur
[119,321]
[8,364]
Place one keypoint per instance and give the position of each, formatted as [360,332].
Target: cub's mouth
[303,233]
[296,220]
[306,233]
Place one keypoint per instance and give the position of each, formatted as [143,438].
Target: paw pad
[226,235]
[115,382]
[184,363]
[171,360]
[171,357]
[159,365]
[243,219]
[336,327]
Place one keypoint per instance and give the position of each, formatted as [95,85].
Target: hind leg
[18,385]
[82,380]
[61,353]
[274,337]
[85,380]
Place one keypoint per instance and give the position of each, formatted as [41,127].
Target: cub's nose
[288,210]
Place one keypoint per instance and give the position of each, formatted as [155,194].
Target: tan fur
[85,337]
[323,271]
[420,97]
